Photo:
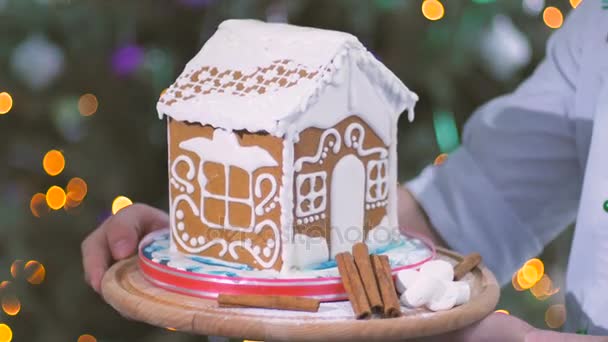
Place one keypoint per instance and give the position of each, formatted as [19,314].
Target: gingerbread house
[282,146]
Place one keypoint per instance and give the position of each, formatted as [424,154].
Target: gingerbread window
[311,193]
[377,180]
[227,198]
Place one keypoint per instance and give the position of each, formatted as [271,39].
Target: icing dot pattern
[374,205]
[208,79]
[310,219]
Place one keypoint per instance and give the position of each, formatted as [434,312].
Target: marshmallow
[422,290]
[446,300]
[439,269]
[405,279]
[464,292]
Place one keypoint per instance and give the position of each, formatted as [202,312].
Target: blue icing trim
[388,247]
[212,262]
[322,266]
[226,273]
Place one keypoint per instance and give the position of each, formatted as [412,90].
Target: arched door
[347,204]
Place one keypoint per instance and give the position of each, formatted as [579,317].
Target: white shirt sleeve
[515,182]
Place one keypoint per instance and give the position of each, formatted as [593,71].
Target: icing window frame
[379,181]
[228,200]
[312,195]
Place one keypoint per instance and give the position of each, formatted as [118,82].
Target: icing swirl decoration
[357,141]
[322,150]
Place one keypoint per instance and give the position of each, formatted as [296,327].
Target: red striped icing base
[209,286]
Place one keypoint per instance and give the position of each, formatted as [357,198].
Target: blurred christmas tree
[83,77]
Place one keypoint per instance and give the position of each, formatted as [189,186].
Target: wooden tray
[124,288]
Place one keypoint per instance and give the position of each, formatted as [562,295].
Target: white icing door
[347,204]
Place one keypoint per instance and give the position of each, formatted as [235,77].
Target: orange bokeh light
[77,189]
[88,104]
[6,102]
[38,205]
[529,274]
[17,268]
[119,203]
[440,159]
[70,204]
[86,338]
[6,334]
[522,281]
[575,3]
[55,197]
[538,266]
[53,162]
[432,9]
[555,316]
[34,272]
[553,17]
[11,305]
[515,282]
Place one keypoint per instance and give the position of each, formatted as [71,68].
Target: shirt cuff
[469,214]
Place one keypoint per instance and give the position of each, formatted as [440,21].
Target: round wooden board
[134,297]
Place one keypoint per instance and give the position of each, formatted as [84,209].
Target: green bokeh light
[446,131]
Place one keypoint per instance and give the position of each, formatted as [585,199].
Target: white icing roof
[261,77]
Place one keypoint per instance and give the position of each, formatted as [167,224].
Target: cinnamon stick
[366,271]
[468,263]
[353,285]
[384,276]
[268,302]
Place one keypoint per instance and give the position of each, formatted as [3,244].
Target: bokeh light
[34,272]
[55,197]
[6,102]
[433,9]
[11,305]
[440,159]
[553,17]
[76,189]
[522,281]
[538,266]
[53,162]
[126,59]
[544,289]
[88,104]
[17,268]
[555,316]
[515,282]
[119,203]
[6,334]
[575,3]
[38,205]
[5,284]
[70,204]
[530,274]
[86,338]
[446,131]
[502,311]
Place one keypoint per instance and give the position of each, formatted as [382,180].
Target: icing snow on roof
[260,77]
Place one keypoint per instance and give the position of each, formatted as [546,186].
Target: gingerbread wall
[309,145]
[256,243]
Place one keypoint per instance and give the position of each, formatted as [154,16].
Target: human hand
[507,328]
[413,219]
[117,238]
